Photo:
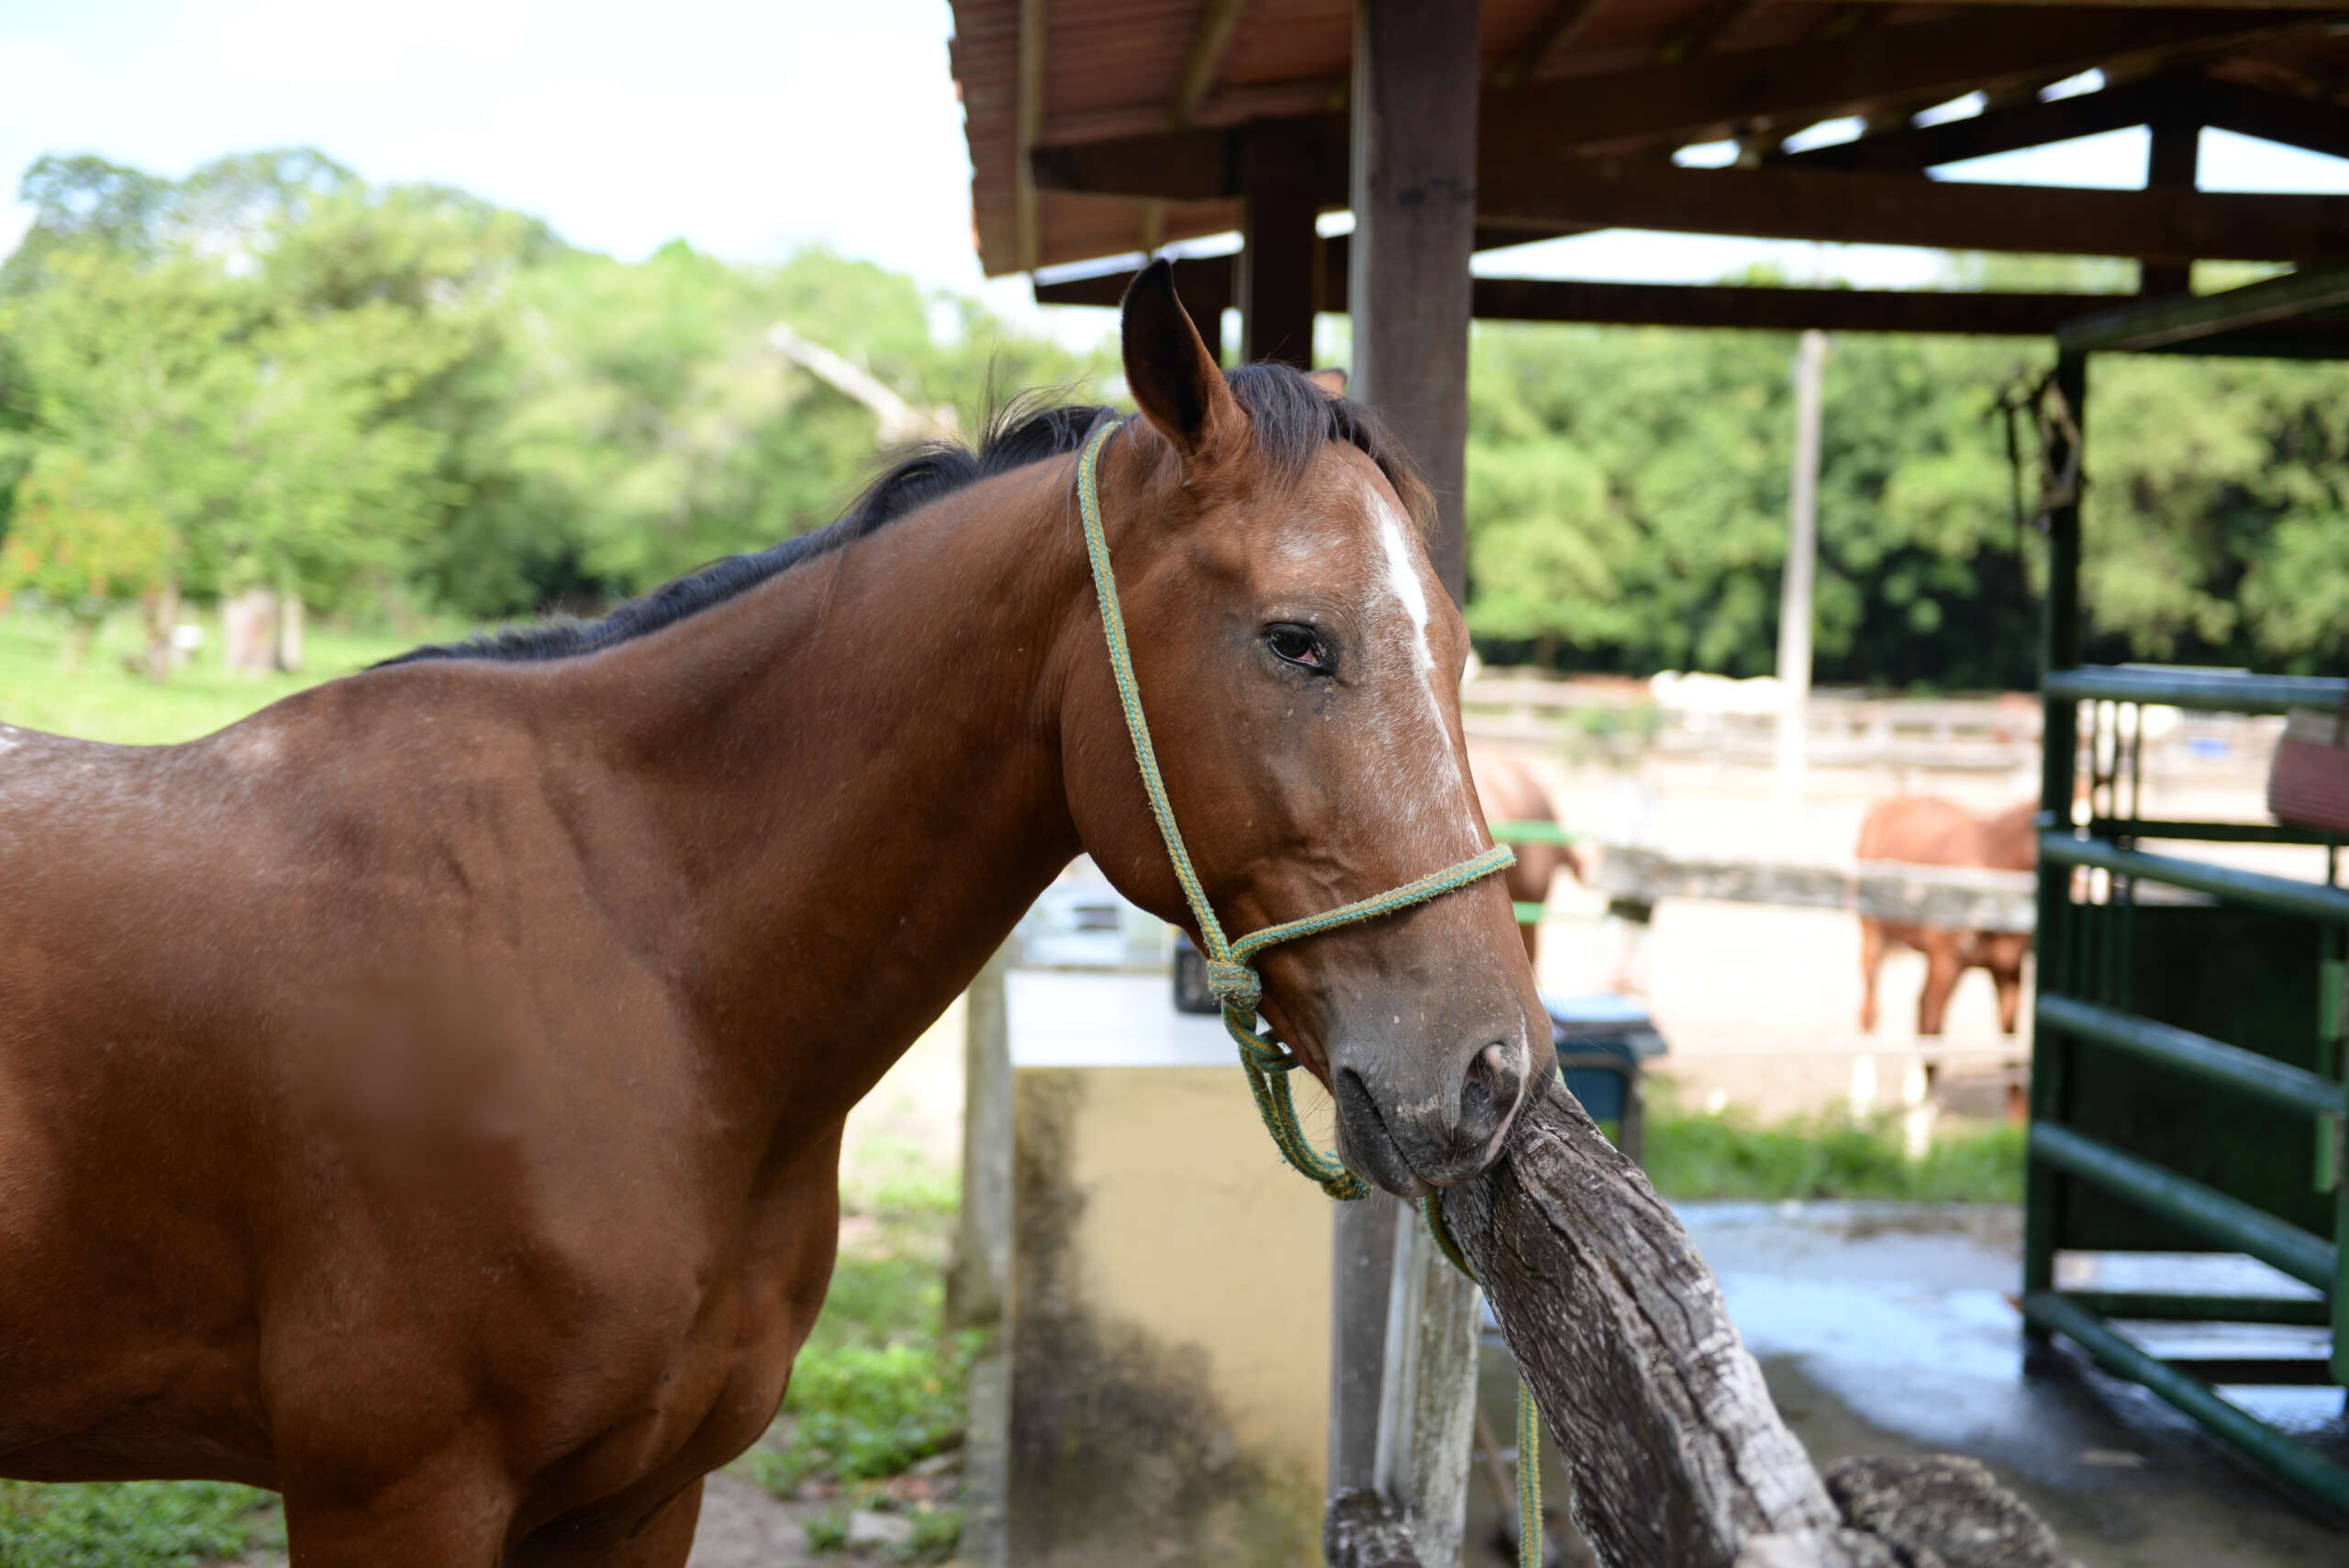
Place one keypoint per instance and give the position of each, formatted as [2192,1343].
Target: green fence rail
[2299,1464]
[2280,895]
[2208,691]
[2277,1083]
[2211,1213]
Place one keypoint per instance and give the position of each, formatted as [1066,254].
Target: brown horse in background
[424,1097]
[1923,830]
[1509,792]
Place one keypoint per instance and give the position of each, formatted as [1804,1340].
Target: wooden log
[1679,1457]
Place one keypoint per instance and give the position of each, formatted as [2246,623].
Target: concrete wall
[1169,1333]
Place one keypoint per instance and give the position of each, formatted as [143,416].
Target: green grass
[1691,1155]
[138,1524]
[99,699]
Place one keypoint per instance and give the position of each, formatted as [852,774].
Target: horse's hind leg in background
[1872,945]
[1944,965]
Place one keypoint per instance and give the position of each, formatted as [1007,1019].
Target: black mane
[1290,419]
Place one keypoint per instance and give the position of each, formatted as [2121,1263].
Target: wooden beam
[1810,81]
[1277,274]
[1026,225]
[2172,323]
[1702,30]
[1203,59]
[1885,209]
[1910,149]
[1534,128]
[2171,155]
[1557,27]
[1782,309]
[1205,285]
[2313,123]
[2136,4]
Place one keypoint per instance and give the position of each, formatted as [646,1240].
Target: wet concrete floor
[1887,1328]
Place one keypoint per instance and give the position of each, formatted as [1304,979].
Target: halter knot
[1234,985]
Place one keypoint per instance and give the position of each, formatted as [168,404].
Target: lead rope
[1231,974]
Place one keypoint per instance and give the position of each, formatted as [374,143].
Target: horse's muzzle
[1409,1144]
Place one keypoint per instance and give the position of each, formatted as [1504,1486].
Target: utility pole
[1802,559]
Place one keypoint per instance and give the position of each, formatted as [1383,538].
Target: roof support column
[1414,193]
[1279,270]
[2171,164]
[1403,1346]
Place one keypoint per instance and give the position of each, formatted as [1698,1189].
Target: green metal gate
[2188,1065]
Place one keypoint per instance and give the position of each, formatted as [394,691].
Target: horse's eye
[1298,645]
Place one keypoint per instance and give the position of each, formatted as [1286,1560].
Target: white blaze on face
[1405,582]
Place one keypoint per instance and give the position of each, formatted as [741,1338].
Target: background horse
[424,1097]
[1924,830]
[1509,792]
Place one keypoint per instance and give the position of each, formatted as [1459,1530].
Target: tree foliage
[334,389]
[1627,506]
[353,393]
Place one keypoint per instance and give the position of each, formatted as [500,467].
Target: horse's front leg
[663,1539]
[452,1511]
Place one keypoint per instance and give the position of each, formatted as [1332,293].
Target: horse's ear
[1332,381]
[1176,382]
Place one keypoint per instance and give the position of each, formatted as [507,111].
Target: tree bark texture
[1679,1457]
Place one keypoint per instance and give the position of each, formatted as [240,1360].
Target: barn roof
[1103,127]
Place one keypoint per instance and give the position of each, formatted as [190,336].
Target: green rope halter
[1232,977]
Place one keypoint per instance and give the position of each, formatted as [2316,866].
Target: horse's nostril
[1488,1090]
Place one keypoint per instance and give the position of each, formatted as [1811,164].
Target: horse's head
[1299,663]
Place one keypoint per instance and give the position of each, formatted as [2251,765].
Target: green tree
[83,550]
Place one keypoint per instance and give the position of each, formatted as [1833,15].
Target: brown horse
[1923,830]
[1509,792]
[424,1097]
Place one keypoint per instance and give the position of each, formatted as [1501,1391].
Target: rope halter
[1231,974]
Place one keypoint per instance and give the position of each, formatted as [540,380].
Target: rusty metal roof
[1110,69]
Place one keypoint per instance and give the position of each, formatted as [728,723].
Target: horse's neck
[854,771]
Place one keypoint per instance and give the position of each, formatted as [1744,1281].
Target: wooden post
[2172,159]
[1802,561]
[979,1281]
[1279,270]
[1414,193]
[1414,196]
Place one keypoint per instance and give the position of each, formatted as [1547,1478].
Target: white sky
[745,129]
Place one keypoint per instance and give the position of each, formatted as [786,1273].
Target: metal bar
[2058,931]
[2282,894]
[2205,832]
[2256,1372]
[2154,1306]
[2205,1211]
[2301,1466]
[2206,690]
[2172,321]
[2277,1083]
[1531,832]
